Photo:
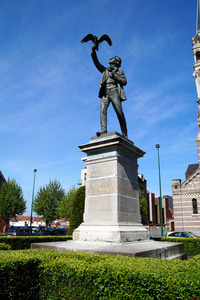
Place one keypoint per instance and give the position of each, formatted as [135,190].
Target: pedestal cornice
[111,140]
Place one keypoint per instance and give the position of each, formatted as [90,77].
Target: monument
[111,222]
[112,212]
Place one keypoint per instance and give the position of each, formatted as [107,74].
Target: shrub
[191,245]
[4,246]
[19,276]
[77,211]
[24,242]
[69,275]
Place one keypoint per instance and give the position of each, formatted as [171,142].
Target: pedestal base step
[154,249]
[117,233]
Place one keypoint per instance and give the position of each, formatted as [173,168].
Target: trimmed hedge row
[48,274]
[4,246]
[19,275]
[191,245]
[24,242]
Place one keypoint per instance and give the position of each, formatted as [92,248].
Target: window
[185,234]
[173,234]
[194,204]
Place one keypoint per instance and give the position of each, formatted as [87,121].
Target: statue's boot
[101,132]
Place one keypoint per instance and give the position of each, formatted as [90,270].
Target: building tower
[196,74]
[186,195]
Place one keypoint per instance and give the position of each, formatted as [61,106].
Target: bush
[4,246]
[191,245]
[77,211]
[19,276]
[48,274]
[24,242]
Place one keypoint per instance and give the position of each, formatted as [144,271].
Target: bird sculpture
[96,41]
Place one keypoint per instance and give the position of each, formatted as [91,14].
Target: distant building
[186,195]
[186,198]
[37,221]
[23,220]
[154,213]
[2,179]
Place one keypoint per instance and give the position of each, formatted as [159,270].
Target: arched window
[195,208]
[197,56]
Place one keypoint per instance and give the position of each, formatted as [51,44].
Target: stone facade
[185,195]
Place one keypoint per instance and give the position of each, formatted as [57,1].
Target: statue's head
[116,60]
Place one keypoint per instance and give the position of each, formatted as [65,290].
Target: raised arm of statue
[97,64]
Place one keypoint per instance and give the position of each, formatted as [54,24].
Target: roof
[192,168]
[28,218]
[2,178]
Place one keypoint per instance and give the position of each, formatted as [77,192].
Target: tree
[47,201]
[143,204]
[77,210]
[12,201]
[65,205]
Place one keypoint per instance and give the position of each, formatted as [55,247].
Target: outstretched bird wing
[106,38]
[88,37]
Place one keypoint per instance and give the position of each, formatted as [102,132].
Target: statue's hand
[114,71]
[95,47]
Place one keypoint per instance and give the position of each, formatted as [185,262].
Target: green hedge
[19,275]
[44,274]
[191,245]
[4,246]
[24,242]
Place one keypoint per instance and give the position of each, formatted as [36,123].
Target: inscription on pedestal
[100,204]
[98,187]
[101,170]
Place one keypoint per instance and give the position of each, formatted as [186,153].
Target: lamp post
[161,214]
[35,170]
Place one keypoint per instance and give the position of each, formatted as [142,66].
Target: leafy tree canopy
[65,205]
[143,204]
[77,210]
[47,201]
[12,201]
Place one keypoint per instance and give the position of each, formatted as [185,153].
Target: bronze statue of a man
[111,90]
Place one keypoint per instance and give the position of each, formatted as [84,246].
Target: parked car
[9,232]
[181,234]
[21,231]
[47,232]
[60,231]
[53,232]
[35,228]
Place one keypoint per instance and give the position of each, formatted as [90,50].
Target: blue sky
[49,86]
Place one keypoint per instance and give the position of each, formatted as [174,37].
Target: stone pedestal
[112,211]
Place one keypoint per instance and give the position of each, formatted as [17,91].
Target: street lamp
[35,170]
[161,214]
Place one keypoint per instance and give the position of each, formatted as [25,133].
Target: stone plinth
[112,212]
[150,248]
